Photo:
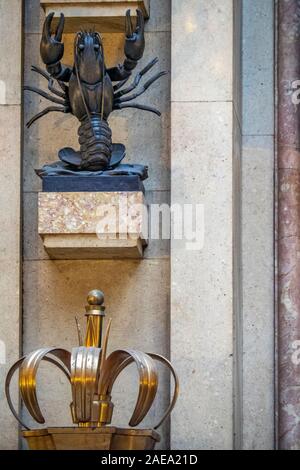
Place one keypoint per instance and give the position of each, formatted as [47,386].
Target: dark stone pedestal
[92,183]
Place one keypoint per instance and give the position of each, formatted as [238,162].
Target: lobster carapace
[91,91]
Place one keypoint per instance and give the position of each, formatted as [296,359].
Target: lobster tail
[95,143]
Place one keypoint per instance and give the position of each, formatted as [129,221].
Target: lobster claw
[51,48]
[135,39]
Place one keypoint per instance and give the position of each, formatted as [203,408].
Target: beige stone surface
[258,164]
[112,3]
[143,4]
[10,332]
[258,67]
[10,180]
[34,17]
[237,58]
[205,170]
[83,246]
[159,20]
[258,297]
[10,39]
[91,2]
[10,147]
[108,16]
[136,298]
[202,50]
[158,247]
[10,289]
[201,289]
[160,16]
[237,284]
[33,247]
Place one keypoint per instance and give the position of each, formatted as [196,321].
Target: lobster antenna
[103,76]
[103,73]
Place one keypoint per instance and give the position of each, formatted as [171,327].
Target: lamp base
[106,438]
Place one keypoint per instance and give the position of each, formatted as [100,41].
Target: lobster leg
[143,90]
[45,95]
[138,106]
[44,112]
[121,84]
[54,90]
[137,79]
[48,77]
[42,72]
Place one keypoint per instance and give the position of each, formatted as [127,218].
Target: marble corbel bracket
[93,225]
[108,15]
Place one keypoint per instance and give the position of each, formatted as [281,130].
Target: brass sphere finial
[95,297]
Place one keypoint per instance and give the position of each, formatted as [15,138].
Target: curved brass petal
[165,361]
[76,357]
[84,380]
[27,379]
[9,376]
[145,402]
[105,344]
[114,365]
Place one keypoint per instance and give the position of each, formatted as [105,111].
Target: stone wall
[10,213]
[204,290]
[258,223]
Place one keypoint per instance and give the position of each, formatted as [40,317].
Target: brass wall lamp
[92,375]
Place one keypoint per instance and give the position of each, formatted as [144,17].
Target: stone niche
[107,14]
[93,225]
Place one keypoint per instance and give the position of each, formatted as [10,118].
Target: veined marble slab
[84,225]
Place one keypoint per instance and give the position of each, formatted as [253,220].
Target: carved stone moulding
[93,225]
[108,15]
[108,438]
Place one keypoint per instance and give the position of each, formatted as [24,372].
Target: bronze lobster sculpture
[87,90]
